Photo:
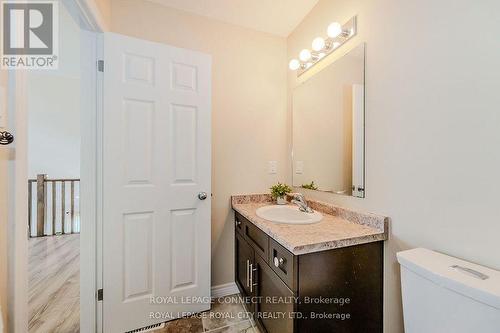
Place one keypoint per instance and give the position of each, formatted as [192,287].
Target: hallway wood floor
[54,284]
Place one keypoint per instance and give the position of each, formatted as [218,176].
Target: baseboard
[224,290]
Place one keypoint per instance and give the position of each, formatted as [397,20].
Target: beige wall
[432,125]
[248,105]
[104,7]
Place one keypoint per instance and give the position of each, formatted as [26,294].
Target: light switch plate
[299,167]
[273,167]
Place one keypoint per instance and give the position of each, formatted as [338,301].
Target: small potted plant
[279,191]
[310,186]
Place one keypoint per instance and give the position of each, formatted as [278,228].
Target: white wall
[54,109]
[432,125]
[54,126]
[248,106]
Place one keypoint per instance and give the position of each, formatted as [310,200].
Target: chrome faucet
[300,200]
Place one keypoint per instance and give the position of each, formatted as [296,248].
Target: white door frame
[91,20]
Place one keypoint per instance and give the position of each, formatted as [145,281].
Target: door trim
[90,194]
[91,20]
[17,251]
[91,16]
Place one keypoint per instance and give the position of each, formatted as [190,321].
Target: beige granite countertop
[340,227]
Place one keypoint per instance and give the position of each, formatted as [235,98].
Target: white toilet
[444,294]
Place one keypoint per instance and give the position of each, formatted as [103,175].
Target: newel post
[41,194]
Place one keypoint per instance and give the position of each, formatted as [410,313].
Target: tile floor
[226,316]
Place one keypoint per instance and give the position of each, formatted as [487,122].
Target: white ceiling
[278,17]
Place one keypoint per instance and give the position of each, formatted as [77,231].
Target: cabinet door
[275,308]
[244,256]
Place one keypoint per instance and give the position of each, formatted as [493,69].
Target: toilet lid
[466,278]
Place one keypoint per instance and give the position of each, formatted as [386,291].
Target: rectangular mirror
[328,128]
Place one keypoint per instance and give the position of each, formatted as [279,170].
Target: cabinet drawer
[257,238]
[283,262]
[253,235]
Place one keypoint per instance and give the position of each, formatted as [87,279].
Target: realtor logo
[29,35]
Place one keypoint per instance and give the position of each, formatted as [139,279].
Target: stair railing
[54,207]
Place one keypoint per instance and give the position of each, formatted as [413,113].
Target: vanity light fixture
[321,47]
[294,64]
[318,44]
[334,29]
[305,55]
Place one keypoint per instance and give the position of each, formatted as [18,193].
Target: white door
[156,167]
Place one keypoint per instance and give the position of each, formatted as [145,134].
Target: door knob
[278,262]
[6,138]
[202,195]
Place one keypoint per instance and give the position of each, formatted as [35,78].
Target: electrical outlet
[273,167]
[299,167]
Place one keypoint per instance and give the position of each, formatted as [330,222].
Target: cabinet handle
[238,223]
[252,269]
[248,276]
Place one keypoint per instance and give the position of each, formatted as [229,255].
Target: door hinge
[100,65]
[99,294]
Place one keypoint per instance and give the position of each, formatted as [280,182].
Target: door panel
[156,159]
[183,249]
[183,129]
[138,232]
[139,117]
[244,256]
[269,288]
[139,69]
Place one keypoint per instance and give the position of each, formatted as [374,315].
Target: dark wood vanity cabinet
[274,306]
[244,255]
[338,290]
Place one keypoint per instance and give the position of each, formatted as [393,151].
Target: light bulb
[318,44]
[294,64]
[305,55]
[334,29]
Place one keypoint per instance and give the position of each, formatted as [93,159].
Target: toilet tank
[444,294]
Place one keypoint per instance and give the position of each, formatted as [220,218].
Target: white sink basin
[287,214]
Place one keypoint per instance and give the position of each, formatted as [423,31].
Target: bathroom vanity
[321,277]
[299,276]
